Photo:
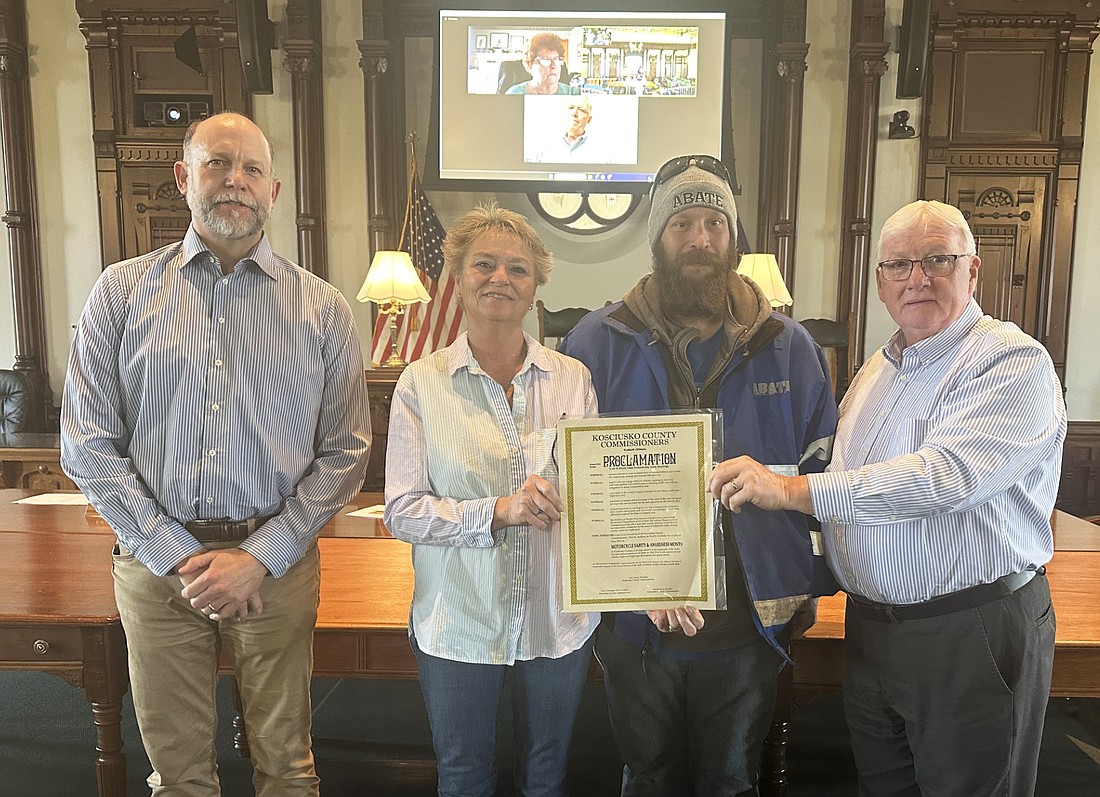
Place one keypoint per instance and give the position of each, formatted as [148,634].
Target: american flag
[422,329]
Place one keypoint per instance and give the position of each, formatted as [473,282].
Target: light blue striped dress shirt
[196,395]
[946,464]
[454,447]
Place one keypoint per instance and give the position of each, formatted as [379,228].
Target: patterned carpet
[371,738]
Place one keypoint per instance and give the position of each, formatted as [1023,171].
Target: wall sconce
[764,271]
[900,127]
[393,285]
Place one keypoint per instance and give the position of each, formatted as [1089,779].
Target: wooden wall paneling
[304,63]
[21,201]
[1079,490]
[868,49]
[1004,113]
[131,63]
[157,213]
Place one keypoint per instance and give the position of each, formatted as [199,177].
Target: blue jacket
[777,407]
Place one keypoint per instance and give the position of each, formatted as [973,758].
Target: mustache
[700,257]
[220,199]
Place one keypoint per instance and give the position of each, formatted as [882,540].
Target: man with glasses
[937,510]
[691,693]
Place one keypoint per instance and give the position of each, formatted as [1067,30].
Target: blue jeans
[689,726]
[462,701]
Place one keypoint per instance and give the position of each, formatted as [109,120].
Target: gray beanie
[692,188]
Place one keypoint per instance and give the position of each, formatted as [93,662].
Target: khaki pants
[174,652]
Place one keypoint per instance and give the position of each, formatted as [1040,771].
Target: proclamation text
[637,525]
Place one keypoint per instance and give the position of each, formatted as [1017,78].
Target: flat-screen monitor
[609,97]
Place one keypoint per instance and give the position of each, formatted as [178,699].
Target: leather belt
[224,530]
[945,604]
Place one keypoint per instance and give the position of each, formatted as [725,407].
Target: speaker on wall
[255,41]
[913,42]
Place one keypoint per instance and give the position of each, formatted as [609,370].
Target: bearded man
[215,415]
[691,693]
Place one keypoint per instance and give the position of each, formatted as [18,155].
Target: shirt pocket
[911,435]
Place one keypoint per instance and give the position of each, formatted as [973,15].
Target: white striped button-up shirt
[454,447]
[946,464]
[196,395]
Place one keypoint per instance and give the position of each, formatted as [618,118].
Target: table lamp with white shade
[764,271]
[393,285]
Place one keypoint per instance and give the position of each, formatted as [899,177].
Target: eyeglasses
[546,61]
[932,266]
[681,164]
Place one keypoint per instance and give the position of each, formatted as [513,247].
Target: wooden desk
[1074,576]
[58,615]
[59,563]
[32,461]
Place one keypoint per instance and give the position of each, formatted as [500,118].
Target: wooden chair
[557,323]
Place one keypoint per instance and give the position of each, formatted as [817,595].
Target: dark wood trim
[868,49]
[784,70]
[21,201]
[379,94]
[306,67]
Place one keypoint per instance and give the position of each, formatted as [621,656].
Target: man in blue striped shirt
[937,510]
[214,414]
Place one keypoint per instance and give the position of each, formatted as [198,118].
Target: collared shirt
[196,395]
[561,150]
[946,463]
[455,446]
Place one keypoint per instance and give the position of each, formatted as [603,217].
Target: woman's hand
[536,503]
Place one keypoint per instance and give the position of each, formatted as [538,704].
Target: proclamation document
[637,525]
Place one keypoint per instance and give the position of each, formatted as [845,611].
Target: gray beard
[693,298]
[206,209]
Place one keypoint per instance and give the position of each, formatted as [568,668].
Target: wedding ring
[736,487]
[211,609]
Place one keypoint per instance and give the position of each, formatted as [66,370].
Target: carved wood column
[303,62]
[868,65]
[375,52]
[785,67]
[21,204]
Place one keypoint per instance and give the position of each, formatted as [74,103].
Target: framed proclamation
[637,523]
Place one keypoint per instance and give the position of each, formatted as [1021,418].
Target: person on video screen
[574,144]
[545,59]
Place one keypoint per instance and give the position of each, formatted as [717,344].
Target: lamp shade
[764,271]
[391,279]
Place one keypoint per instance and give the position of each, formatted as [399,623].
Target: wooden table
[57,614]
[32,461]
[1074,576]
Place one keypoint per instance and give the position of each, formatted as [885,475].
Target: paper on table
[369,511]
[63,499]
